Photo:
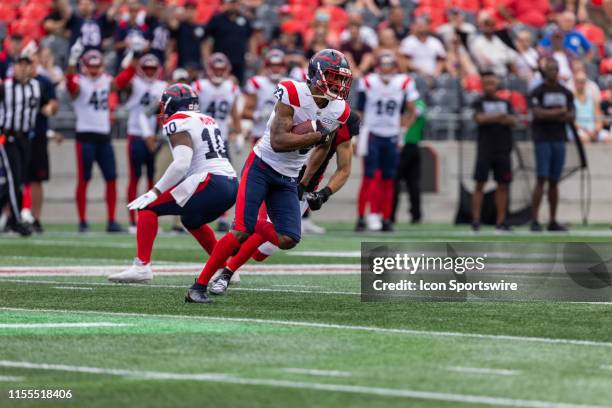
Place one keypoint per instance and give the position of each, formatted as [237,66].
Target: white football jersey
[209,149]
[217,101]
[298,96]
[385,102]
[144,93]
[263,88]
[91,105]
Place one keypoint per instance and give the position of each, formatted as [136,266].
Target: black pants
[409,171]
[14,159]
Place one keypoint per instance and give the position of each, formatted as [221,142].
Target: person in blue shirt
[573,41]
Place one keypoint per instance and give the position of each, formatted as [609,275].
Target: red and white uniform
[209,150]
[298,96]
[217,101]
[144,93]
[263,88]
[91,104]
[385,102]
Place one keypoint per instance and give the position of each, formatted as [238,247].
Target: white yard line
[60,325]
[310,371]
[353,389]
[72,287]
[314,325]
[606,367]
[11,378]
[477,370]
[335,254]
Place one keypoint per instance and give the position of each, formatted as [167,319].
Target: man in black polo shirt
[552,106]
[230,32]
[495,120]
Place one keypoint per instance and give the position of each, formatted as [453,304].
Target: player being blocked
[256,246]
[271,172]
[199,185]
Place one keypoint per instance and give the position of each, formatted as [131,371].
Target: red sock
[247,249]
[263,212]
[259,256]
[206,237]
[364,195]
[225,247]
[81,199]
[131,196]
[387,198]
[376,196]
[266,230]
[145,234]
[26,202]
[111,199]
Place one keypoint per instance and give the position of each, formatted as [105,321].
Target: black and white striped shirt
[19,105]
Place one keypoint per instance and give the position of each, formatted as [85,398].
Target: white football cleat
[137,273]
[132,230]
[235,278]
[26,216]
[309,227]
[373,222]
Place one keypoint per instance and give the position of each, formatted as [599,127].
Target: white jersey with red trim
[91,105]
[143,95]
[298,96]
[263,88]
[209,149]
[217,101]
[385,102]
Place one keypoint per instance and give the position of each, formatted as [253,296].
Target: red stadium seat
[471,83]
[26,28]
[594,34]
[516,99]
[605,67]
[34,12]
[8,13]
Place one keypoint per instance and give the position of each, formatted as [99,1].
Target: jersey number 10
[216,144]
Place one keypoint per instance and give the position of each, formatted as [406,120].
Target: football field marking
[72,287]
[345,388]
[11,378]
[478,370]
[310,371]
[315,325]
[60,325]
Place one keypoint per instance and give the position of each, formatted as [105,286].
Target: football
[305,127]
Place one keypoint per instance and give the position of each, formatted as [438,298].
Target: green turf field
[294,333]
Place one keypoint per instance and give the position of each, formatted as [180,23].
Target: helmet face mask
[218,68]
[275,65]
[386,66]
[149,67]
[92,63]
[330,74]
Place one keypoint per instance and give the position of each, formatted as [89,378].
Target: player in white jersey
[90,91]
[272,170]
[219,99]
[198,185]
[259,91]
[386,100]
[144,87]
[219,96]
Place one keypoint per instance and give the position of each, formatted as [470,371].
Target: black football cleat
[387,226]
[361,225]
[21,228]
[197,294]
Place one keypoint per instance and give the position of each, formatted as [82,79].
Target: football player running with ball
[272,170]
[199,185]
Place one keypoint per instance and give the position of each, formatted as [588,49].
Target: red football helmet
[92,63]
[275,65]
[330,73]
[218,68]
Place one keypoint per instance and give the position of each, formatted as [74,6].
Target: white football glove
[75,52]
[143,201]
[239,143]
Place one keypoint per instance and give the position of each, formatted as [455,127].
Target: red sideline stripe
[346,113]
[406,82]
[177,116]
[254,82]
[239,224]
[294,98]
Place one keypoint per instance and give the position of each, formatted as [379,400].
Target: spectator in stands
[229,32]
[47,68]
[592,89]
[387,41]
[375,6]
[10,55]
[131,33]
[588,111]
[319,41]
[552,106]
[606,110]
[527,56]
[495,119]
[286,42]
[365,34]
[564,56]
[158,31]
[188,36]
[573,40]
[458,61]
[456,26]
[490,53]
[396,22]
[359,54]
[286,24]
[528,12]
[85,24]
[424,54]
